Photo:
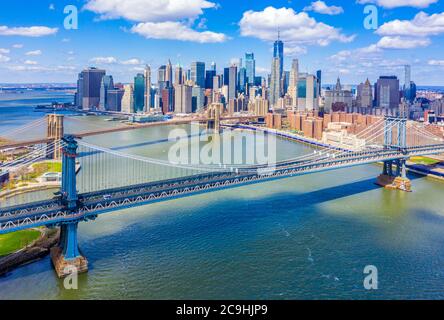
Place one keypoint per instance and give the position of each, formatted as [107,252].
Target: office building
[198,74]
[250,66]
[148,91]
[139,93]
[387,92]
[92,80]
[106,84]
[183,99]
[127,104]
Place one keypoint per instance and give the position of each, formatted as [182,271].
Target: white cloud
[30,62]
[131,62]
[402,43]
[34,53]
[436,63]
[104,60]
[323,8]
[52,6]
[176,31]
[37,31]
[390,4]
[4,50]
[422,25]
[17,46]
[294,50]
[296,28]
[4,58]
[149,10]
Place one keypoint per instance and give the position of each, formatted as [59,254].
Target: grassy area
[12,242]
[424,160]
[28,176]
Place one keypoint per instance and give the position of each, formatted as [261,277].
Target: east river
[307,237]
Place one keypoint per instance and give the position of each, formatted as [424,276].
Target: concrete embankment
[39,249]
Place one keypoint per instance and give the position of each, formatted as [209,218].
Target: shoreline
[37,250]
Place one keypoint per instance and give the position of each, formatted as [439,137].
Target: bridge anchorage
[66,256]
[395,137]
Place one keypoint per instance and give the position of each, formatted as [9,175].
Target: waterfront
[306,237]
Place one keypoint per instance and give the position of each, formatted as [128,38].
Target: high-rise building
[387,92]
[232,82]
[250,66]
[198,98]
[319,77]
[167,100]
[92,80]
[114,99]
[198,73]
[127,103]
[293,83]
[169,73]
[213,66]
[307,92]
[183,99]
[139,93]
[79,93]
[162,78]
[106,84]
[209,76]
[178,75]
[226,79]
[275,81]
[278,52]
[408,75]
[365,95]
[148,94]
[242,81]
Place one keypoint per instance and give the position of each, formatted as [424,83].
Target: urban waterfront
[308,237]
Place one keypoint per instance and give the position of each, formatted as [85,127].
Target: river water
[307,237]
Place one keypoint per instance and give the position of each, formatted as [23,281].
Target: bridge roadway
[125,128]
[51,212]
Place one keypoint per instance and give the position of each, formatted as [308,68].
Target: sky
[121,36]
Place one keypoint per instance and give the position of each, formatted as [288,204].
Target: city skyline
[222,32]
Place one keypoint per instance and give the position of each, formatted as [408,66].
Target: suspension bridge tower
[394,175]
[54,133]
[66,257]
[214,112]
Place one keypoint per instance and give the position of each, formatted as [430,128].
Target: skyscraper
[139,93]
[275,81]
[242,81]
[278,52]
[92,79]
[408,76]
[387,92]
[293,82]
[365,95]
[128,99]
[232,82]
[79,93]
[106,84]
[169,73]
[148,93]
[178,75]
[250,66]
[198,73]
[209,75]
[183,99]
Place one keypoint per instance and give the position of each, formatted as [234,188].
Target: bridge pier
[66,257]
[395,179]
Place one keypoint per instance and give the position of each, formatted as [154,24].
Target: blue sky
[123,35]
